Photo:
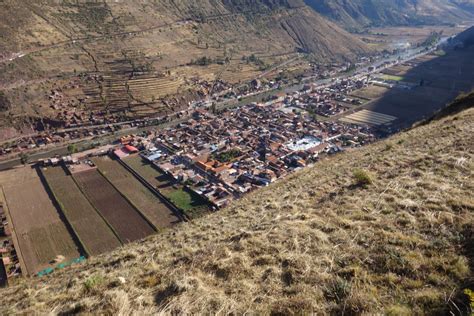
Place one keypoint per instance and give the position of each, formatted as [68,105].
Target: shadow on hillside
[434,83]
[164,297]
[469,245]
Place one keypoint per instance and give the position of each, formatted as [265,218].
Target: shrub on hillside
[362,178]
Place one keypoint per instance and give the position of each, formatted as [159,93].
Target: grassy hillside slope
[320,241]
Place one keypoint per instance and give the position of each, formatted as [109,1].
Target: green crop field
[392,78]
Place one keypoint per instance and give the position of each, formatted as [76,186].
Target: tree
[24,158]
[72,149]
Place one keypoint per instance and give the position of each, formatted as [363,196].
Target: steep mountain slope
[319,241]
[466,37]
[34,24]
[355,14]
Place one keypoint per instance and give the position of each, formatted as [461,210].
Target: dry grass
[311,243]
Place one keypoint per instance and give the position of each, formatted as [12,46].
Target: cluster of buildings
[48,137]
[328,100]
[224,156]
[73,121]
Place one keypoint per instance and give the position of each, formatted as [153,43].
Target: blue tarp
[61,266]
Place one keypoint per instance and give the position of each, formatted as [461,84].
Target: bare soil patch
[125,220]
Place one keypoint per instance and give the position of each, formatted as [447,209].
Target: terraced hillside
[132,58]
[386,229]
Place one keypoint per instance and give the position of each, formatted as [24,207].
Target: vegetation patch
[227,156]
[362,178]
[392,78]
[184,199]
[92,283]
[192,204]
[470,298]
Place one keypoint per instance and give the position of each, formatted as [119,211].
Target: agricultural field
[397,70]
[155,210]
[390,38]
[441,78]
[157,179]
[125,220]
[38,229]
[392,78]
[192,204]
[370,92]
[93,232]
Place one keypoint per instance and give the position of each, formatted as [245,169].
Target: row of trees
[204,61]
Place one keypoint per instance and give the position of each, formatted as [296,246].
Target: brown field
[370,92]
[93,232]
[41,234]
[443,78]
[157,213]
[124,219]
[398,70]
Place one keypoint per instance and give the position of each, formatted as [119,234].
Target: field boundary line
[98,212]
[62,216]
[14,235]
[62,208]
[128,201]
